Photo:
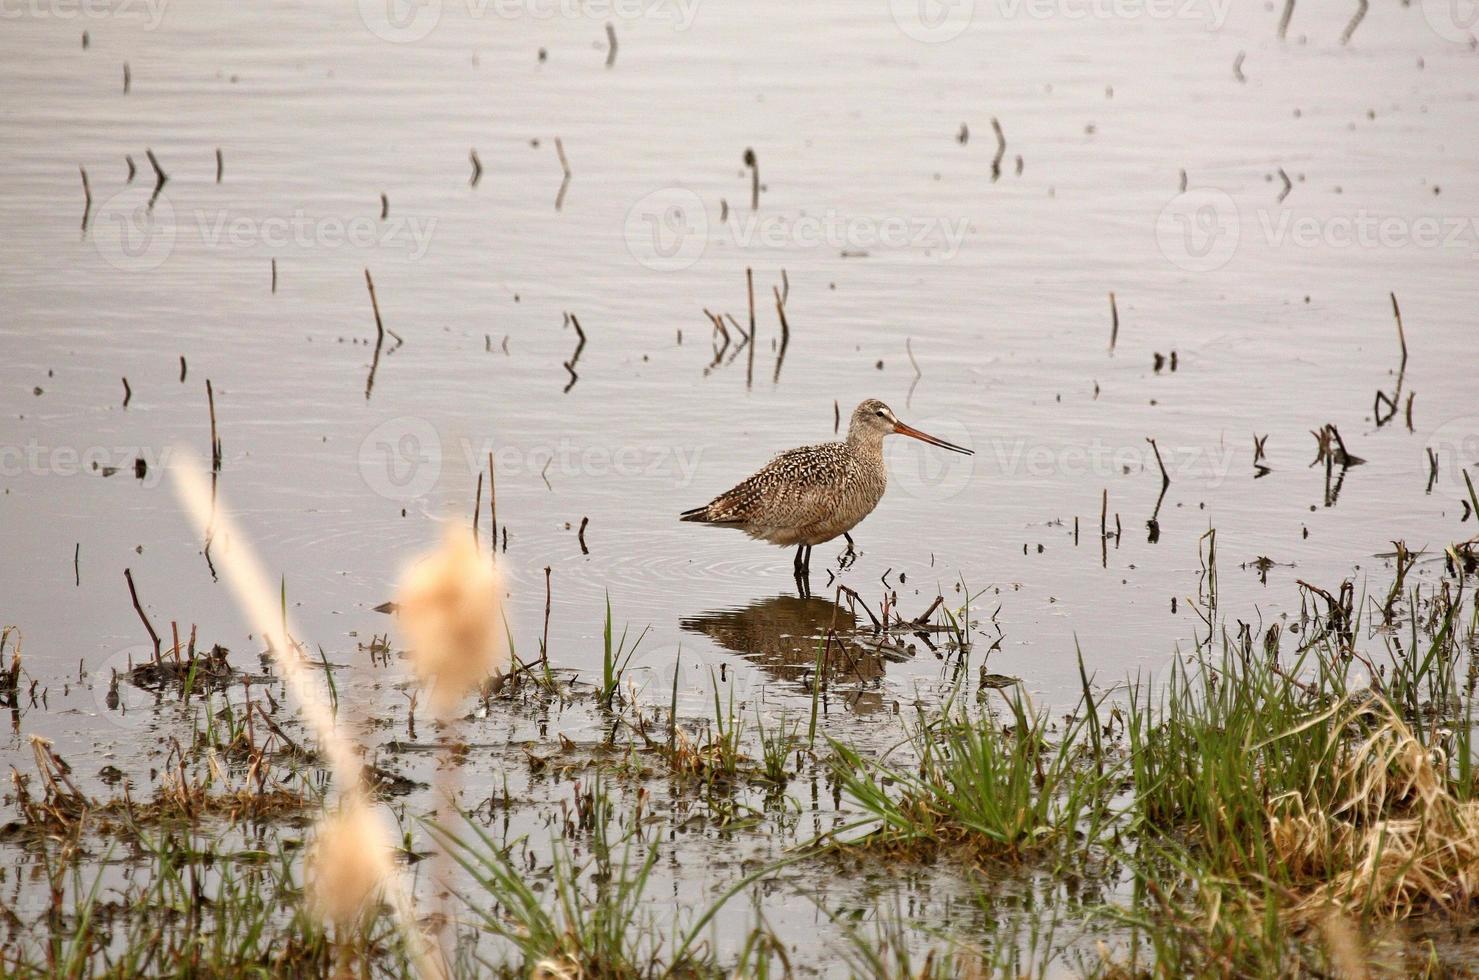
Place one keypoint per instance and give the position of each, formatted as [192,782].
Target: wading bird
[807,496]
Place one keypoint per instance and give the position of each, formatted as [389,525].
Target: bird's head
[872,420]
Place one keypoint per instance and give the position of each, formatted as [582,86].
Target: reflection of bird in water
[813,494]
[781,636]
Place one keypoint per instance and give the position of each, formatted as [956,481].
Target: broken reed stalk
[722,331]
[780,310]
[750,291]
[384,206]
[87,198]
[160,177]
[1361,8]
[1114,322]
[544,643]
[737,329]
[565,169]
[1401,334]
[1165,479]
[245,576]
[1104,529]
[184,368]
[754,166]
[1284,20]
[1001,149]
[128,393]
[492,505]
[581,536]
[477,167]
[210,398]
[220,165]
[133,594]
[610,45]
[1345,457]
[375,305]
[579,346]
[477,510]
[274,277]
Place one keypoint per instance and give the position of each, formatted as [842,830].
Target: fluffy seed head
[448,602]
[348,864]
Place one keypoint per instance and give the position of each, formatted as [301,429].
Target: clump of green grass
[600,920]
[1258,791]
[1275,791]
[776,745]
[1001,790]
[196,905]
[615,656]
[1324,788]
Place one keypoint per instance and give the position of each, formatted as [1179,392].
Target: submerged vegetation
[1297,801]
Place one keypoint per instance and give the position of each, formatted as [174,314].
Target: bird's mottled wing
[796,488]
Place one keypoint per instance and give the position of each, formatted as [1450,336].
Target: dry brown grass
[1395,841]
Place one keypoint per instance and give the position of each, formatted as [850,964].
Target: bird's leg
[803,585]
[806,562]
[799,565]
[850,555]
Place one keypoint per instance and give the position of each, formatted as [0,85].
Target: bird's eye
[882,414]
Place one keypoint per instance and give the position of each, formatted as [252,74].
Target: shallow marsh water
[895,240]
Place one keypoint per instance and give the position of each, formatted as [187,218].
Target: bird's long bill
[909,430]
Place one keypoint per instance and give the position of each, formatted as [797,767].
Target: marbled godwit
[813,494]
